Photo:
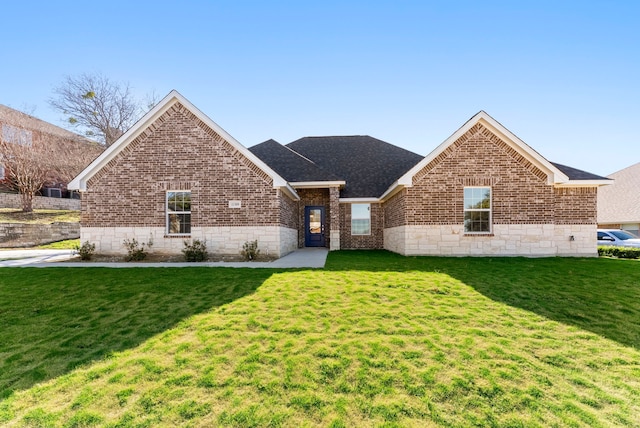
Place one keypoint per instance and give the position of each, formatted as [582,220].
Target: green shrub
[85,250]
[250,250]
[619,252]
[136,251]
[195,251]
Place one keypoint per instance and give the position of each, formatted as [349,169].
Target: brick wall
[520,193]
[288,211]
[372,241]
[394,210]
[576,205]
[180,152]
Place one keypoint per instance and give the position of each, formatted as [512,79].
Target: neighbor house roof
[367,165]
[620,202]
[22,120]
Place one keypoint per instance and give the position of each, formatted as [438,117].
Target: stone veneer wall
[529,216]
[373,241]
[506,240]
[12,200]
[16,235]
[273,241]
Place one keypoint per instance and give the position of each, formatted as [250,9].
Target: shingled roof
[577,174]
[620,202]
[368,165]
[290,165]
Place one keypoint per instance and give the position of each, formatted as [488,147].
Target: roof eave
[317,184]
[584,183]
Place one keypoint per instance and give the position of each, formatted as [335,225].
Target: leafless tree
[29,164]
[26,167]
[102,109]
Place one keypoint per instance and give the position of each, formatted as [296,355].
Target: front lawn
[11,215]
[375,339]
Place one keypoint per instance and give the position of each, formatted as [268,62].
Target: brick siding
[373,241]
[520,193]
[180,152]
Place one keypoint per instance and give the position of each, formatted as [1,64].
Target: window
[477,210]
[178,213]
[361,219]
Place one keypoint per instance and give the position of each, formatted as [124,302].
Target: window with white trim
[477,209]
[178,212]
[361,219]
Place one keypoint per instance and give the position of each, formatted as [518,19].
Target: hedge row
[619,252]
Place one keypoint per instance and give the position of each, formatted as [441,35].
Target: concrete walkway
[302,258]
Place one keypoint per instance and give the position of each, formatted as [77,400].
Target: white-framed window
[361,219]
[477,210]
[178,212]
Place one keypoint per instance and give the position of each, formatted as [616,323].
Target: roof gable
[556,174]
[80,181]
[368,165]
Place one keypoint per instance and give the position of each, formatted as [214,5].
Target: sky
[564,76]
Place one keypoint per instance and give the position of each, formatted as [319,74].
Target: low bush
[619,252]
[85,250]
[250,250]
[195,251]
[136,251]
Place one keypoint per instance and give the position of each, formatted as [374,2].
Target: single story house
[619,204]
[176,175]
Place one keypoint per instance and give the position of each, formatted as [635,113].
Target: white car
[618,238]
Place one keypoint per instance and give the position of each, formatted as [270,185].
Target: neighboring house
[176,175]
[619,204]
[22,129]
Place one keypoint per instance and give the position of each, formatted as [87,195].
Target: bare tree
[30,163]
[26,167]
[103,109]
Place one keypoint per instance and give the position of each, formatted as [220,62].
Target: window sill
[188,235]
[479,234]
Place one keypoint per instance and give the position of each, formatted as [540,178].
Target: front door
[314,227]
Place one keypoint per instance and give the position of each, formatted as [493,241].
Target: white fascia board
[316,184]
[392,190]
[358,200]
[554,174]
[80,182]
[585,183]
[290,191]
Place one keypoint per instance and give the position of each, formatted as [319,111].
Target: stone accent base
[534,240]
[273,241]
[334,240]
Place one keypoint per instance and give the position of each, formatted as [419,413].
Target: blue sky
[564,76]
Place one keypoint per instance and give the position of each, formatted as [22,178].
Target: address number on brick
[235,204]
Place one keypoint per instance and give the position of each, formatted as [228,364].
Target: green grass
[68,244]
[10,215]
[375,339]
